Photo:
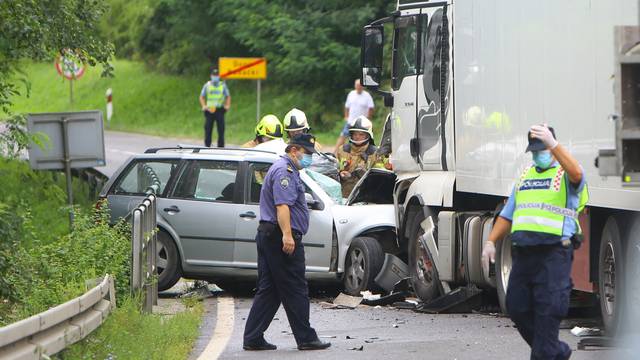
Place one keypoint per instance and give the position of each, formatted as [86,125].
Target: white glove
[488,254]
[543,133]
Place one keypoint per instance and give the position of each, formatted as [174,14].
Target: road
[414,336]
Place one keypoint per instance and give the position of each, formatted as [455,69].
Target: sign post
[71,67]
[76,140]
[244,68]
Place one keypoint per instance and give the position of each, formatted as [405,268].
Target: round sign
[70,65]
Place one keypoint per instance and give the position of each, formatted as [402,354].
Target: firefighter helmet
[295,120]
[269,126]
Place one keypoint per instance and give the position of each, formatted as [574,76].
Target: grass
[128,334]
[166,105]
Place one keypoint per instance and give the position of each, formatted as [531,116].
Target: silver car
[208,213]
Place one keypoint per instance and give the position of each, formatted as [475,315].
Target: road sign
[69,65]
[242,68]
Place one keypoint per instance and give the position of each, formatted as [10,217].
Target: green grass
[167,105]
[128,334]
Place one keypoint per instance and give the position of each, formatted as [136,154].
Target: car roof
[204,153]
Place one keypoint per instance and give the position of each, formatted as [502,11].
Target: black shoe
[314,345]
[259,346]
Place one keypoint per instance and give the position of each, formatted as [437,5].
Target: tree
[40,29]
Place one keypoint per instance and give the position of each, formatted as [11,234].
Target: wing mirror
[312,203]
[371,55]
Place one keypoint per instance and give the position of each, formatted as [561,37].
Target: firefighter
[295,122]
[542,216]
[358,155]
[268,128]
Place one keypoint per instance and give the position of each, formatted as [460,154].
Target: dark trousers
[209,118]
[538,297]
[280,280]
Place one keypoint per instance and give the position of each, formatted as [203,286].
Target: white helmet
[295,120]
[361,123]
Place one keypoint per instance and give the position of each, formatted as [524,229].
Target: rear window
[144,174]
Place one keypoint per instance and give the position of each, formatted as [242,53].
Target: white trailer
[468,78]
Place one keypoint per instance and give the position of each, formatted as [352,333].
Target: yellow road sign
[242,68]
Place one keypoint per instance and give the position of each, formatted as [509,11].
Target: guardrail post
[136,242]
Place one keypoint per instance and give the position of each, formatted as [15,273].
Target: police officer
[542,216]
[284,219]
[215,101]
[358,155]
[269,128]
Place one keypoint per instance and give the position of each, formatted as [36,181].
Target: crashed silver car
[208,213]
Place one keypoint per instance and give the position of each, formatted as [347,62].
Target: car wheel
[424,277]
[167,261]
[362,264]
[611,275]
[504,263]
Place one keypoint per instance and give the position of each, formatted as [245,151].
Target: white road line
[223,330]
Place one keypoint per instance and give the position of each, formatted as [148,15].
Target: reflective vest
[541,202]
[215,95]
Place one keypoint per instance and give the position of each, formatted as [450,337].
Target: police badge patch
[284,183]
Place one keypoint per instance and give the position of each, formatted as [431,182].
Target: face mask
[542,159]
[215,79]
[358,143]
[305,162]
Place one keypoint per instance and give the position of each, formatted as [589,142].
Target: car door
[317,241]
[201,208]
[131,185]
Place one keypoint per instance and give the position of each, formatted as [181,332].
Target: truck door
[432,88]
[403,88]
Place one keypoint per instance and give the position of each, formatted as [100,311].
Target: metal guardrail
[51,331]
[144,250]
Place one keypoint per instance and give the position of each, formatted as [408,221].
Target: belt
[268,227]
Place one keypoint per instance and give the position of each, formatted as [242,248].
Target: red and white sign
[69,65]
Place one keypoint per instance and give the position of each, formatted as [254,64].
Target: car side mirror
[312,203]
[371,55]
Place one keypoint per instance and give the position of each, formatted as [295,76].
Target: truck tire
[611,274]
[504,264]
[362,265]
[167,261]
[424,277]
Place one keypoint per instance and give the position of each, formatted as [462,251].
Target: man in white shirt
[359,102]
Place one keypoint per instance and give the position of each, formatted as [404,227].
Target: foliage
[41,264]
[39,29]
[128,334]
[167,105]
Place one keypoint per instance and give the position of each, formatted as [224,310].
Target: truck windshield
[405,44]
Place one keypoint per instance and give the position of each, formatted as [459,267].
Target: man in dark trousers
[284,219]
[215,101]
[542,217]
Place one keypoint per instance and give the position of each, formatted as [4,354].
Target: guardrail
[144,250]
[51,331]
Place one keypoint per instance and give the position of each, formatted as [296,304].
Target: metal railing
[51,331]
[143,252]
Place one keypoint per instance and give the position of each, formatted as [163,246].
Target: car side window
[208,180]
[257,172]
[143,174]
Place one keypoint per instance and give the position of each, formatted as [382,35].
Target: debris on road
[357,348]
[343,301]
[386,300]
[461,300]
[583,331]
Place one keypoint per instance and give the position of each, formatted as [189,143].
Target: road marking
[223,330]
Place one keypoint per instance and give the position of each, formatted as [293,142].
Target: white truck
[467,80]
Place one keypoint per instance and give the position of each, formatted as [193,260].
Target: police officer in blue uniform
[542,216]
[284,219]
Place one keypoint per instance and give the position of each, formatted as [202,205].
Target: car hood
[375,187]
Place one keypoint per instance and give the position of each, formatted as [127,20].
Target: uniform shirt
[225,89]
[276,145]
[358,104]
[529,238]
[282,186]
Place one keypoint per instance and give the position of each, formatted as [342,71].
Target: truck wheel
[167,261]
[424,277]
[503,270]
[362,265]
[611,275]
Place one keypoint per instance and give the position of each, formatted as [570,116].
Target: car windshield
[330,186]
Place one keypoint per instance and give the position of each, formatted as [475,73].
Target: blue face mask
[305,162]
[215,79]
[542,159]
